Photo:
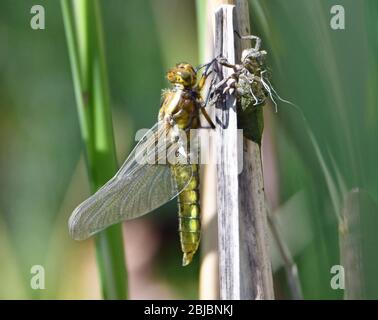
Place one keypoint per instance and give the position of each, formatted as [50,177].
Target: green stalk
[201,29]
[83,27]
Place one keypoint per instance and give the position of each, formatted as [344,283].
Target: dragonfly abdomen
[189,217]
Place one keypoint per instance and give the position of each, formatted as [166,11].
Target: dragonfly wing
[143,183]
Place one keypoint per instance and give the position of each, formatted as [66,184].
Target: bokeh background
[317,170]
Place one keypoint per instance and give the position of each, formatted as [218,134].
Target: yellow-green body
[181,105]
[184,101]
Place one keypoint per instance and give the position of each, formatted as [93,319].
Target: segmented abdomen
[189,212]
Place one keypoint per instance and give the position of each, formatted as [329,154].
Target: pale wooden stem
[350,245]
[227,189]
[245,269]
[208,283]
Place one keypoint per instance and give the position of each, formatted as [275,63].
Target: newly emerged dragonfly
[149,178]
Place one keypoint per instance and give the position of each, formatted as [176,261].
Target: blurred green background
[330,74]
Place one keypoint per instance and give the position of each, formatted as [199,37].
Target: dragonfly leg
[172,117]
[257,41]
[207,65]
[208,95]
[207,117]
[205,75]
[224,62]
[251,37]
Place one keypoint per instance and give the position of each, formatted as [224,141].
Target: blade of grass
[290,265]
[83,29]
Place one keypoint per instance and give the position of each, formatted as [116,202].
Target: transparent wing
[143,183]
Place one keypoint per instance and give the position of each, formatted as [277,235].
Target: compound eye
[185,76]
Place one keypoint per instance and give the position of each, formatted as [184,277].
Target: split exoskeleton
[249,78]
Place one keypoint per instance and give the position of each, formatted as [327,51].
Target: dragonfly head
[183,75]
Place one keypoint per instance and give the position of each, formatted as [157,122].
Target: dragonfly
[158,169]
